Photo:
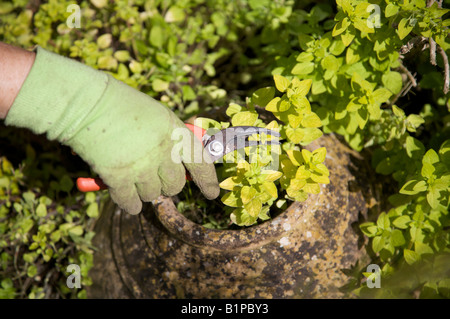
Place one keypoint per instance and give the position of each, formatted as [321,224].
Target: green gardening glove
[123,134]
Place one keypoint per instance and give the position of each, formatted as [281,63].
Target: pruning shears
[217,145]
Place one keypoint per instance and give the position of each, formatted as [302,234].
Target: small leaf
[413,187]
[319,155]
[414,148]
[311,120]
[159,85]
[253,207]
[246,118]
[247,194]
[41,210]
[92,210]
[404,28]
[402,222]
[157,36]
[230,183]
[76,230]
[263,96]
[272,105]
[271,176]
[270,188]
[281,82]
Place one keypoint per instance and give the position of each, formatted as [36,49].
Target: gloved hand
[123,134]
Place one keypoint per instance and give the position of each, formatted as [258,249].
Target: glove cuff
[56,96]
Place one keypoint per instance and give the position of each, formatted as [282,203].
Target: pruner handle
[89,184]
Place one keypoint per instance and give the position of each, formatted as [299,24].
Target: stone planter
[298,254]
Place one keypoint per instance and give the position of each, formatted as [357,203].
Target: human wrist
[56,95]
[15,65]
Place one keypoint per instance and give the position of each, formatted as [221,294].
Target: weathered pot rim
[225,240]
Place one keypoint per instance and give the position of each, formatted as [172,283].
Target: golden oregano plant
[256,180]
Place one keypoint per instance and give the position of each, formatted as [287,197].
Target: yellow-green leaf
[295,157]
[311,120]
[270,175]
[247,194]
[246,118]
[270,188]
[281,82]
[318,155]
[272,106]
[253,207]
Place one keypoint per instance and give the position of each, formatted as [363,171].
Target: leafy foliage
[44,226]
[253,182]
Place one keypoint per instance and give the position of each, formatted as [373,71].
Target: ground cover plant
[376,73]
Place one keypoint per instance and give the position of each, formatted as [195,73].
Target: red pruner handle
[87,184]
[198,132]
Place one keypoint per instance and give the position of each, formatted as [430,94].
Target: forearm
[15,64]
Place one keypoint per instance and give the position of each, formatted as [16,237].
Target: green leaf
[427,170]
[413,187]
[392,81]
[397,238]
[92,210]
[402,221]
[233,108]
[159,85]
[76,230]
[270,188]
[302,87]
[246,118]
[377,244]
[340,27]
[414,148]
[281,82]
[157,36]
[422,249]
[433,197]
[41,210]
[296,158]
[230,183]
[174,14]
[303,68]
[430,157]
[263,96]
[413,121]
[295,135]
[310,134]
[381,95]
[404,28]
[318,155]
[369,229]
[66,183]
[383,221]
[311,120]
[31,271]
[231,199]
[253,207]
[247,194]
[270,175]
[330,62]
[410,256]
[272,106]
[391,10]
[104,41]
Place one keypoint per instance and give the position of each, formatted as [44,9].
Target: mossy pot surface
[298,254]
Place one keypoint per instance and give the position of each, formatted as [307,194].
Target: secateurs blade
[217,145]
